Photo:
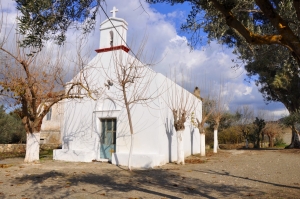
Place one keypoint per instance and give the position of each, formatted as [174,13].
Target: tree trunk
[257,141]
[271,141]
[202,144]
[130,152]
[32,147]
[295,142]
[130,125]
[262,143]
[180,150]
[215,140]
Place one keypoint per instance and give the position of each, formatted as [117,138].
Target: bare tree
[202,117]
[182,103]
[33,81]
[245,116]
[220,105]
[129,81]
[272,129]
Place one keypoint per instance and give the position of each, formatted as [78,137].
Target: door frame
[114,133]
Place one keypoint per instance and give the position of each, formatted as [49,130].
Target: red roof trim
[122,47]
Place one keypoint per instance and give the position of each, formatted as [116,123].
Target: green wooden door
[108,138]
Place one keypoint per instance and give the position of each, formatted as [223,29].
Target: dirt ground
[228,174]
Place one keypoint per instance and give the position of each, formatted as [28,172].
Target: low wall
[20,148]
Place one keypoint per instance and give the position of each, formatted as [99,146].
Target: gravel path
[228,174]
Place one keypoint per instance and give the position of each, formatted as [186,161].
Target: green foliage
[42,20]
[46,154]
[292,119]
[279,142]
[209,138]
[11,128]
[277,75]
[251,28]
[226,121]
[230,135]
[259,125]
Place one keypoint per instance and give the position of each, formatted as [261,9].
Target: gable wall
[154,135]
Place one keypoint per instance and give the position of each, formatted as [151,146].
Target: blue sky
[208,65]
[257,103]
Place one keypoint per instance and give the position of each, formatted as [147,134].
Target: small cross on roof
[113,11]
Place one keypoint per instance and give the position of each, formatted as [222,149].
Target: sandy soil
[228,174]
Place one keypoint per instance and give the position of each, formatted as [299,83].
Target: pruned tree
[220,105]
[33,80]
[272,129]
[130,82]
[207,110]
[182,104]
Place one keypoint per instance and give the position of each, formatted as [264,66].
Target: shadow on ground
[157,183]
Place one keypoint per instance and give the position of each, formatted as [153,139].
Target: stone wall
[20,148]
[50,137]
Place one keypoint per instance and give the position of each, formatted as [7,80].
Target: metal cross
[114,10]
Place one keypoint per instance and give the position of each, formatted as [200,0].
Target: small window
[111,33]
[49,114]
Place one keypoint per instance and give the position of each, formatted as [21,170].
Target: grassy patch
[12,155]
[44,155]
[283,145]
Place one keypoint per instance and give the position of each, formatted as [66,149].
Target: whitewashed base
[74,155]
[139,160]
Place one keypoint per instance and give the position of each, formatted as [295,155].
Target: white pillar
[32,147]
[202,144]
[180,149]
[215,141]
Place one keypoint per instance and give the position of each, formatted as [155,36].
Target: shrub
[11,128]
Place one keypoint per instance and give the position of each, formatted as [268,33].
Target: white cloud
[211,63]
[248,91]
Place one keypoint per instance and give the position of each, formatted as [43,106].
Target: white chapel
[97,127]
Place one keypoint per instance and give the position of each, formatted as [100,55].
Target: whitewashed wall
[154,134]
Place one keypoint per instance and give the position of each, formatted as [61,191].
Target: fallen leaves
[5,165]
[190,188]
[194,161]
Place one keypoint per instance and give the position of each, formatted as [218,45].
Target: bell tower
[113,34]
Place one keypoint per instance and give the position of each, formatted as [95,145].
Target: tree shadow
[169,132]
[156,183]
[246,178]
[261,149]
